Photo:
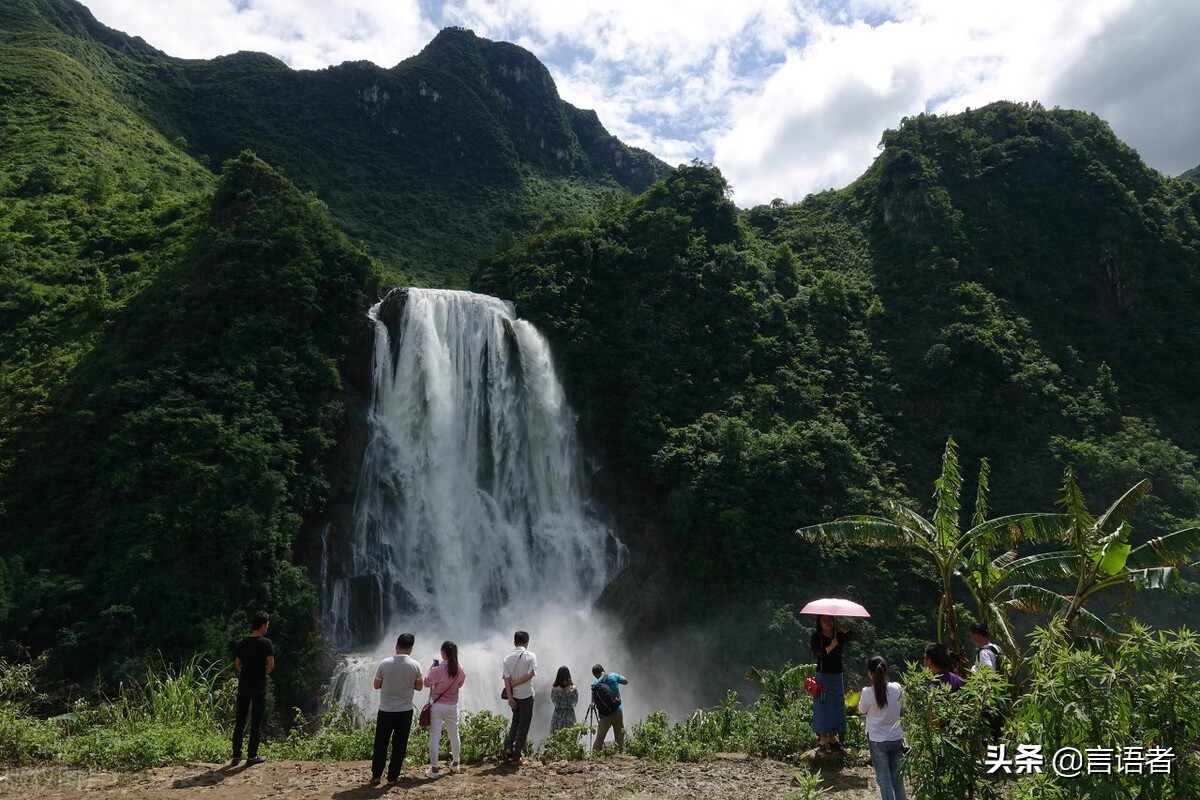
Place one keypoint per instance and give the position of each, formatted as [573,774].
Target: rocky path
[722,778]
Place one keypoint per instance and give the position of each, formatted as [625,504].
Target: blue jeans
[885,757]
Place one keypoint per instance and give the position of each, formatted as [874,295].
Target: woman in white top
[881,704]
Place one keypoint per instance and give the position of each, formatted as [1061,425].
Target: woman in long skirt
[829,707]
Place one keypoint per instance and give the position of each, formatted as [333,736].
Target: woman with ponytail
[881,704]
[444,680]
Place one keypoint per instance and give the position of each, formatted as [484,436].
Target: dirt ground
[731,777]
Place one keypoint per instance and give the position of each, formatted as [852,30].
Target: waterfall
[472,517]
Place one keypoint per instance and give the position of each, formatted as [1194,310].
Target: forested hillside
[179,323]
[430,162]
[1011,276]
[160,488]
[174,344]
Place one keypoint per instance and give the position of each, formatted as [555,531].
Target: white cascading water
[471,518]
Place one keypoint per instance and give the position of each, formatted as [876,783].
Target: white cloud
[307,34]
[1141,75]
[816,122]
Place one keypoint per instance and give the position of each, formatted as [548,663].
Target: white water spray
[472,518]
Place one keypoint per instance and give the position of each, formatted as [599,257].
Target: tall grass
[196,694]
[171,714]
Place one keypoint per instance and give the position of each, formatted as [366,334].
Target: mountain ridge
[469,129]
[1013,276]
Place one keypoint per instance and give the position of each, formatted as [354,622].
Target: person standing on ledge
[606,697]
[396,678]
[520,666]
[829,708]
[254,658]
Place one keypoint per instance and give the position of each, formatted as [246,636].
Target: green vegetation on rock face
[430,162]
[157,497]
[93,198]
[1013,277]
[173,344]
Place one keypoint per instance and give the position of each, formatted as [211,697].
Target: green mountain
[429,163]
[1192,175]
[181,352]
[175,345]
[1012,276]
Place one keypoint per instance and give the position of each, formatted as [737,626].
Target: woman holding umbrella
[829,708]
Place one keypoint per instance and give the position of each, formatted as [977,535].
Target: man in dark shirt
[254,658]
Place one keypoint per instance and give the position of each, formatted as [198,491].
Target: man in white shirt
[988,652]
[396,678]
[989,658]
[519,668]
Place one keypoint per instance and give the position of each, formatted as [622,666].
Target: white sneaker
[432,774]
[454,768]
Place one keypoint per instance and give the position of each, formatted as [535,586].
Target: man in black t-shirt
[254,658]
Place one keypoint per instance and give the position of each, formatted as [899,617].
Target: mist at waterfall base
[472,518]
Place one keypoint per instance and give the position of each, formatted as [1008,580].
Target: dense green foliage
[735,407]
[431,162]
[173,344]
[967,554]
[1012,276]
[157,497]
[1117,707]
[178,714]
[170,358]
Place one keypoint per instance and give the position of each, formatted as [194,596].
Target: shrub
[566,744]
[1135,693]
[948,733]
[483,736]
[334,736]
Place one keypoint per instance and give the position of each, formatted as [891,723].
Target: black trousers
[391,726]
[518,731]
[252,701]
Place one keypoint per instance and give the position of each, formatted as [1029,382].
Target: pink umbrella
[835,607]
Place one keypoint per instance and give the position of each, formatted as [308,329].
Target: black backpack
[605,699]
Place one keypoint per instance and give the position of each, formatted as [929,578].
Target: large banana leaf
[946,490]
[903,515]
[1113,558]
[1034,527]
[1033,598]
[1119,511]
[1173,549]
[869,530]
[1154,577]
[1062,564]
[1028,597]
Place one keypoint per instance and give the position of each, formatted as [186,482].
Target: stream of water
[472,516]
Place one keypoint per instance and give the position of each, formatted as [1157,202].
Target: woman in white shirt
[881,704]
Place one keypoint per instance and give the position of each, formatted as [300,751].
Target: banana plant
[1099,558]
[952,550]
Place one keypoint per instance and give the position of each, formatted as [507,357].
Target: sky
[786,97]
